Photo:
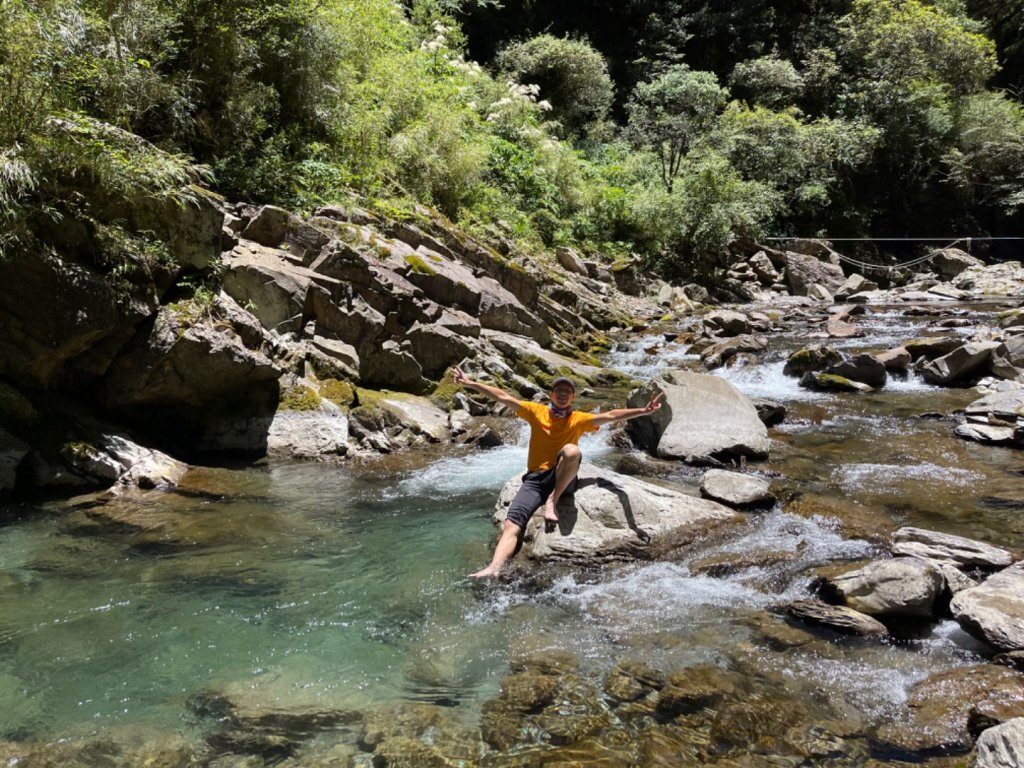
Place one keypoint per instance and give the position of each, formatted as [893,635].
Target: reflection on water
[298,585]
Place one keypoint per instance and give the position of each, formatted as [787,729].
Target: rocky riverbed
[811,557]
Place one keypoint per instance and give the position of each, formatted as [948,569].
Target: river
[317,586]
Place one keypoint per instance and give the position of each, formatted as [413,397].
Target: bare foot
[486,573]
[550,512]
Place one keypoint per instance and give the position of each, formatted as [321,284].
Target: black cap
[562,380]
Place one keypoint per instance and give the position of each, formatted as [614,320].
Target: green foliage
[572,77]
[767,80]
[669,113]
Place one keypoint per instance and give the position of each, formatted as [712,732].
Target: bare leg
[507,544]
[569,460]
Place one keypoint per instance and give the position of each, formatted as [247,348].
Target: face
[562,395]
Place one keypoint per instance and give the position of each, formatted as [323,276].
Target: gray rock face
[950,262]
[1002,406]
[115,461]
[735,489]
[994,610]
[278,291]
[960,363]
[570,260]
[988,434]
[947,548]
[854,284]
[268,227]
[612,517]
[804,271]
[1001,746]
[726,323]
[1005,279]
[701,417]
[903,586]
[822,381]
[308,434]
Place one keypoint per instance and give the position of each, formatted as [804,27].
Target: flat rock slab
[308,434]
[988,434]
[616,517]
[736,489]
[947,548]
[994,610]
[701,417]
[902,586]
[836,617]
[1004,406]
[1002,746]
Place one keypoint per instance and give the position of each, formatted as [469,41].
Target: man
[554,456]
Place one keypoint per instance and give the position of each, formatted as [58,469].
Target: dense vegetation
[659,127]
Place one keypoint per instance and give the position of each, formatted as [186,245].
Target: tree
[769,80]
[572,76]
[667,114]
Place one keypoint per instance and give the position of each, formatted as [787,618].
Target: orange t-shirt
[548,436]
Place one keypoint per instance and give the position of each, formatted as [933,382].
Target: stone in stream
[993,611]
[900,587]
[736,489]
[831,382]
[959,364]
[931,348]
[844,620]
[989,434]
[855,284]
[813,358]
[1001,746]
[770,412]
[947,548]
[723,351]
[702,417]
[942,706]
[726,323]
[1003,407]
[863,368]
[615,517]
[895,360]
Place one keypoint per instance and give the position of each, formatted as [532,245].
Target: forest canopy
[659,128]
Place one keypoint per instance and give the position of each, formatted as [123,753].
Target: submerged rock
[993,611]
[940,709]
[615,517]
[702,417]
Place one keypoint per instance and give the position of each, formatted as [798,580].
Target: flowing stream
[343,587]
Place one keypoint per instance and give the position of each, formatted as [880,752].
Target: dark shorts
[534,491]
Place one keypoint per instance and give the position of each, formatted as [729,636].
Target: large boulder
[61,323]
[615,517]
[308,434]
[702,418]
[1005,279]
[813,358]
[950,262]
[959,364]
[994,610]
[865,368]
[187,376]
[1001,746]
[900,587]
[804,271]
[948,548]
[997,406]
[726,323]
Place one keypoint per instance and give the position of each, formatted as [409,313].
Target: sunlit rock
[844,620]
[959,364]
[993,611]
[736,489]
[1001,746]
[948,548]
[726,322]
[820,380]
[701,417]
[900,587]
[615,517]
[813,358]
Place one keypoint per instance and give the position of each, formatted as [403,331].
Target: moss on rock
[299,398]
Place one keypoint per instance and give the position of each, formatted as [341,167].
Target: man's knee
[571,453]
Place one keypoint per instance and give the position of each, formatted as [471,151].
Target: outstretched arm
[625,414]
[494,393]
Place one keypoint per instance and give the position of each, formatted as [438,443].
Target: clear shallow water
[309,585]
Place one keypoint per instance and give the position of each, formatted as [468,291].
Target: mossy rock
[300,398]
[419,266]
[444,393]
[341,393]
